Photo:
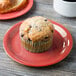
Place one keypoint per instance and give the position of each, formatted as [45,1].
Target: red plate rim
[23,11]
[21,62]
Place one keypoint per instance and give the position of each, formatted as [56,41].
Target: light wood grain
[67,67]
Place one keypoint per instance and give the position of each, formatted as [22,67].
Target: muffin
[36,34]
[11,5]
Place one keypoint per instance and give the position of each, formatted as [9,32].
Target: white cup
[65,8]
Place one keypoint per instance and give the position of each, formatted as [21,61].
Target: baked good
[11,5]
[36,34]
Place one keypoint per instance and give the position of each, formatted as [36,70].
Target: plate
[61,47]
[15,14]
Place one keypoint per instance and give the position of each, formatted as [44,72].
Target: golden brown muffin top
[36,28]
[4,4]
[7,6]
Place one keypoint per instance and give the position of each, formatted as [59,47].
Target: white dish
[65,8]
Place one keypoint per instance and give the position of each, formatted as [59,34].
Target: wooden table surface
[67,67]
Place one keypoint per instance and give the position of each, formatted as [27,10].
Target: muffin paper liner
[37,47]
